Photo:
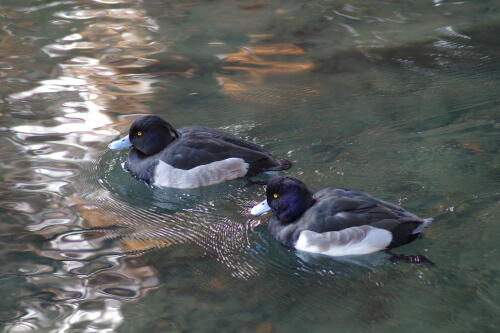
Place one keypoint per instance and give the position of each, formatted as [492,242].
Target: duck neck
[140,165]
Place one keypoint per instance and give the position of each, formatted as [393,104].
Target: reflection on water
[396,99]
[94,76]
[246,71]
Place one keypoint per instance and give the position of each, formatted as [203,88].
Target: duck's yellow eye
[139,133]
[275,195]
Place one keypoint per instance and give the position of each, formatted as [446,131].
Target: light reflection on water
[394,99]
[87,287]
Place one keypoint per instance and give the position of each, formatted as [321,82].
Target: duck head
[287,197]
[149,135]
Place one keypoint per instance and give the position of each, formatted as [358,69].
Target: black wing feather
[199,146]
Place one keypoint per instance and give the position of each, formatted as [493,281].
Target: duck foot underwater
[410,259]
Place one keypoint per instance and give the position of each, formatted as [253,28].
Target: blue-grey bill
[120,143]
[260,208]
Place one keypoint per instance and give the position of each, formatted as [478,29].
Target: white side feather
[203,175]
[351,241]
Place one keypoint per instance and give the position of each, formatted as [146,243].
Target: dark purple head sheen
[151,134]
[288,198]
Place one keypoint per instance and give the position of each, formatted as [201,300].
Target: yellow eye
[139,133]
[275,195]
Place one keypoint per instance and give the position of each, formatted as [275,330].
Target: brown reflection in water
[254,5]
[253,61]
[96,217]
[246,72]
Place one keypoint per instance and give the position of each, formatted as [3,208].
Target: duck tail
[279,164]
[285,164]
[425,223]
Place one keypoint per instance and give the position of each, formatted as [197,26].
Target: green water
[395,98]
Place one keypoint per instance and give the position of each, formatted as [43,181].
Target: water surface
[398,99]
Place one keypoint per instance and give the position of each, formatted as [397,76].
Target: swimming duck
[336,221]
[193,156]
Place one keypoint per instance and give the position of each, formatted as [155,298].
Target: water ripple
[395,99]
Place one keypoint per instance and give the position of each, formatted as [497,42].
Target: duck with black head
[193,156]
[336,221]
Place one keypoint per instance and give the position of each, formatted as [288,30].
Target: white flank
[351,241]
[203,175]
